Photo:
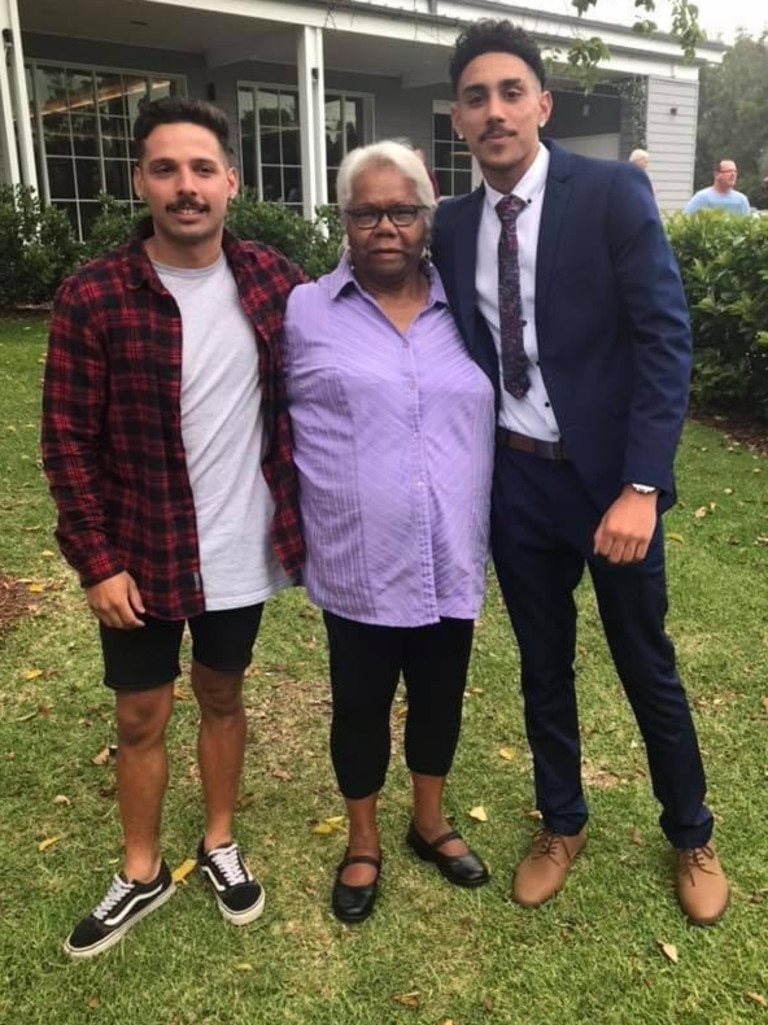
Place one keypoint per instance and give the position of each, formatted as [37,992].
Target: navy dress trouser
[543,522]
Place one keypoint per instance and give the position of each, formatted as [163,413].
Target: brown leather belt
[522,443]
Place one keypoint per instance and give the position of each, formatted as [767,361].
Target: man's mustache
[495,131]
[187,206]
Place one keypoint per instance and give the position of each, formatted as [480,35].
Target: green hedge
[724,265]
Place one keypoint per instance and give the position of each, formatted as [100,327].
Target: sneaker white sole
[81,953]
[242,917]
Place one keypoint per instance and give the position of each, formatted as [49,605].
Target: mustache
[495,131]
[187,206]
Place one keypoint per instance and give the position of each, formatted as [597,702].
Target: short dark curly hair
[490,36]
[170,110]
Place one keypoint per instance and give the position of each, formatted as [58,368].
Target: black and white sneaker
[239,894]
[124,905]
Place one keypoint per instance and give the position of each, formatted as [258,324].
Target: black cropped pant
[366,662]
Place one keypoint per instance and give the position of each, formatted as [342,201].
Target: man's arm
[653,299]
[74,401]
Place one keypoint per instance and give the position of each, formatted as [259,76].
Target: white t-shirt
[222,427]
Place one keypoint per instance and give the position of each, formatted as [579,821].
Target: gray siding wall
[672,113]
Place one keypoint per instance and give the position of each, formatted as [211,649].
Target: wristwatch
[644,489]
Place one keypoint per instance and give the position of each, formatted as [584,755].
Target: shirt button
[547,404]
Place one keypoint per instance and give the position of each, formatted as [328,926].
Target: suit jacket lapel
[556,195]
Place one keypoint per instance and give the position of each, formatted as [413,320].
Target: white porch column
[13,85]
[312,116]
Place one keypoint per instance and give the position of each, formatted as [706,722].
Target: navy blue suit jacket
[611,319]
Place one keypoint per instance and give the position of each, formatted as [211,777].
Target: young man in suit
[562,281]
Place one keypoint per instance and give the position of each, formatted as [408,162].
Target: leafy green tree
[732,117]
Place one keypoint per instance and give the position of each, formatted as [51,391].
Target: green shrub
[313,245]
[724,264]
[37,247]
[114,223]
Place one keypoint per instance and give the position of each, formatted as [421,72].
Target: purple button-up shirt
[393,441]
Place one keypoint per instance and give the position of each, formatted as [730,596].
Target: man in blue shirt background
[721,195]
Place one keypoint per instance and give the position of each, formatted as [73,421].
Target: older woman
[393,430]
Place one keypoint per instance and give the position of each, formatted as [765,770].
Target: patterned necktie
[514,362]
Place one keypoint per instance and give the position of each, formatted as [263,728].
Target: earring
[542,124]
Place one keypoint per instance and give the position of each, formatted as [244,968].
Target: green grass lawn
[431,954]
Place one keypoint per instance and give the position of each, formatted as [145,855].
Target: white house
[302,83]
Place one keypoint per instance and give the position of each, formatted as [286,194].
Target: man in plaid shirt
[167,447]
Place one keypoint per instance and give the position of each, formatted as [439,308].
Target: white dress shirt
[532,415]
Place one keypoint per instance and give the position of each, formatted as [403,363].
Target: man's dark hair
[172,110]
[489,36]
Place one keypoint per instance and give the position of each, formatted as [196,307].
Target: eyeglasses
[402,215]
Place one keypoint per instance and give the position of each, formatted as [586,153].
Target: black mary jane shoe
[461,870]
[354,903]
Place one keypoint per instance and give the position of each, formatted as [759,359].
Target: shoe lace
[229,863]
[117,892]
[692,859]
[546,844]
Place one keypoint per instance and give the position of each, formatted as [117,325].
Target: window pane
[84,137]
[247,137]
[117,178]
[113,136]
[109,88]
[443,151]
[88,179]
[51,90]
[333,141]
[441,125]
[272,184]
[135,88]
[269,127]
[353,123]
[292,178]
[61,178]
[88,214]
[462,182]
[289,124]
[81,98]
[445,182]
[56,134]
[160,87]
[331,184]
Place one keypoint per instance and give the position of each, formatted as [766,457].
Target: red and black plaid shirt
[111,433]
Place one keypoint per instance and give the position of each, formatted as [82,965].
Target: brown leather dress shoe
[702,888]
[545,868]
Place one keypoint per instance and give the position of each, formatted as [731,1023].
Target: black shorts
[148,656]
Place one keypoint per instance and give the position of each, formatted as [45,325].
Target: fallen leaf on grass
[93,1001]
[180,694]
[478,813]
[476,690]
[334,824]
[244,967]
[533,813]
[102,757]
[407,999]
[488,1004]
[507,753]
[727,491]
[36,588]
[31,674]
[675,537]
[48,842]
[764,703]
[282,774]
[701,512]
[636,839]
[61,799]
[47,554]
[179,875]
[669,950]
[757,998]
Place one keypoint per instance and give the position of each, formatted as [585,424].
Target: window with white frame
[451,159]
[270,138]
[82,120]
